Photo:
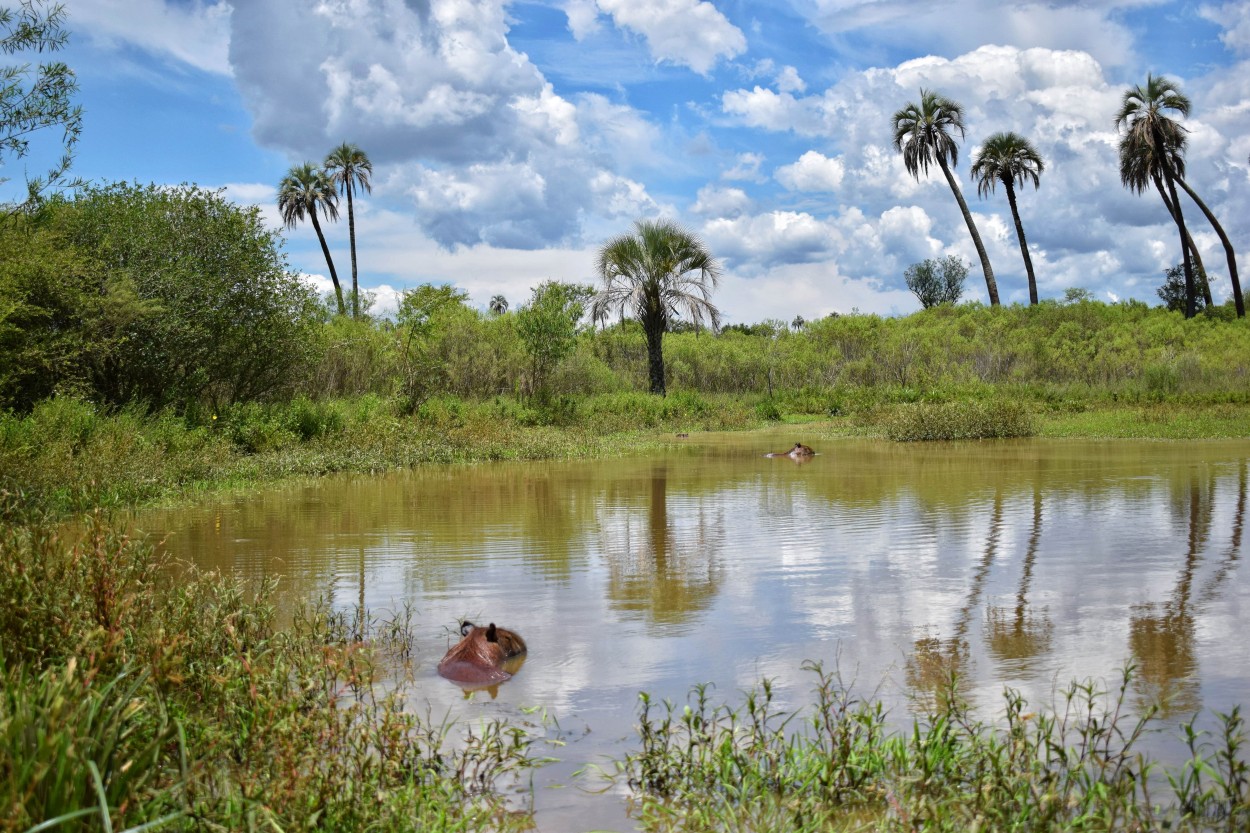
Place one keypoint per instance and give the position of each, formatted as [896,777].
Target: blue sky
[510,139]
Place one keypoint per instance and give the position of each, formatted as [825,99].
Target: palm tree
[1153,140]
[922,133]
[1011,159]
[1138,168]
[655,273]
[303,191]
[498,305]
[348,167]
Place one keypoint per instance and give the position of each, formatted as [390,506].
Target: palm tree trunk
[972,229]
[1238,300]
[655,356]
[351,235]
[1199,268]
[1024,247]
[1168,177]
[334,276]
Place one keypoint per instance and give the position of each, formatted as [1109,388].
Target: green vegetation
[835,765]
[1011,159]
[130,700]
[936,282]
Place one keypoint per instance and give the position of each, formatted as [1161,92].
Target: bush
[959,421]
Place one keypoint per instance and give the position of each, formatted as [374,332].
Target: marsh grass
[131,700]
[995,419]
[836,766]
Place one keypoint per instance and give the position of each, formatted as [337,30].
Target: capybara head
[480,658]
[801,450]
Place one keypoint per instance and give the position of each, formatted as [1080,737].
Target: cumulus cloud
[691,33]
[195,33]
[714,201]
[1235,20]
[456,120]
[812,172]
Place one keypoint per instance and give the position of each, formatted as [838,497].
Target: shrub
[959,421]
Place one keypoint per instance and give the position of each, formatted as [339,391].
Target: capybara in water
[482,656]
[798,451]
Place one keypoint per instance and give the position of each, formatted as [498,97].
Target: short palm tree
[656,273]
[303,191]
[1152,141]
[922,133]
[1011,159]
[498,305]
[349,168]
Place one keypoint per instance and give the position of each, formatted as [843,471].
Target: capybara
[798,451]
[481,657]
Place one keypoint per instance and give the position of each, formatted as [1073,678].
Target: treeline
[175,299]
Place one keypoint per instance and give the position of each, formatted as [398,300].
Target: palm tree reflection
[1018,635]
[937,666]
[661,564]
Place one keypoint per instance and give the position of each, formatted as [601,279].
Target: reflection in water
[937,668]
[663,563]
[1020,635]
[1020,563]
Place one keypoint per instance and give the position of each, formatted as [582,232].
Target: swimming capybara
[483,656]
[798,451]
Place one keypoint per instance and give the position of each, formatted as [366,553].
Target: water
[1023,563]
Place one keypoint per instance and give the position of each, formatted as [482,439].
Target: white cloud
[692,33]
[1235,18]
[196,32]
[746,167]
[812,172]
[714,201]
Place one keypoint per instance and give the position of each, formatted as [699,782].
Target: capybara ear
[491,634]
[465,627]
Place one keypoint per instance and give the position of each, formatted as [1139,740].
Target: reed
[835,765]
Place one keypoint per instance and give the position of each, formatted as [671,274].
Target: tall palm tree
[1154,140]
[922,133]
[656,273]
[303,191]
[1011,159]
[1138,168]
[498,305]
[348,168]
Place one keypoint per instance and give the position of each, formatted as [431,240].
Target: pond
[1025,563]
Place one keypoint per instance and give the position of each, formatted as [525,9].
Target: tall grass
[836,766]
[130,699]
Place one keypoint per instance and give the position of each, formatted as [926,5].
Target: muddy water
[1023,564]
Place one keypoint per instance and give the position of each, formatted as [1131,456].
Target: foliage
[1011,159]
[35,99]
[1172,292]
[937,281]
[960,421]
[547,327]
[132,696]
[835,765]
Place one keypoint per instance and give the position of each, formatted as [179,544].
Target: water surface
[1021,563]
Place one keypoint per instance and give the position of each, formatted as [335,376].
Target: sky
[510,140]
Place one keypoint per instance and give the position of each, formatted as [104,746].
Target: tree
[348,168]
[36,98]
[1172,293]
[799,322]
[1152,142]
[498,305]
[159,296]
[922,133]
[937,281]
[1011,159]
[303,191]
[547,326]
[656,273]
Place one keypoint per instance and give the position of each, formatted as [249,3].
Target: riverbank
[69,457]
